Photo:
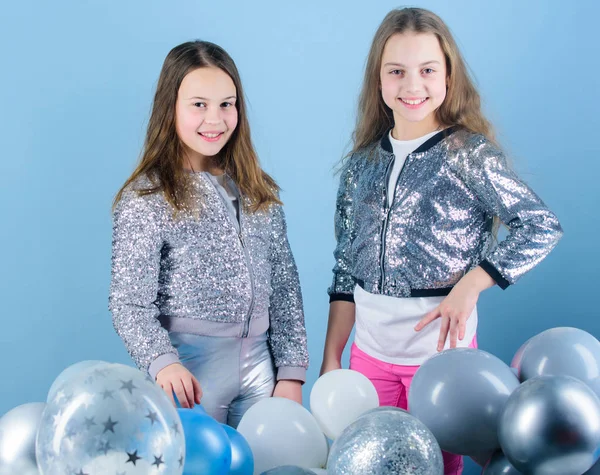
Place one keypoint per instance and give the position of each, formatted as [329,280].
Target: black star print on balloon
[181,461]
[128,385]
[109,425]
[153,416]
[133,457]
[158,461]
[105,447]
[107,394]
[175,427]
[89,422]
[81,472]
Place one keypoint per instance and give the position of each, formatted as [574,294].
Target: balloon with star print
[110,420]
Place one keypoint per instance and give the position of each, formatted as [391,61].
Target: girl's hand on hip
[175,378]
[457,307]
[289,389]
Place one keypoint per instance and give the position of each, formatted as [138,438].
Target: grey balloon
[551,426]
[18,430]
[516,361]
[288,470]
[499,465]
[385,442]
[563,351]
[459,394]
[595,470]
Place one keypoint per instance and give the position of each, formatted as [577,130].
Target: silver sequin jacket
[205,273]
[439,225]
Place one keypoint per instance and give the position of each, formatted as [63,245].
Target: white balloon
[282,432]
[18,430]
[340,397]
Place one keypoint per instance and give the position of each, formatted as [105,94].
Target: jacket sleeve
[136,250]
[287,333]
[342,287]
[533,230]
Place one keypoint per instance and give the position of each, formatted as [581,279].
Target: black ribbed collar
[437,138]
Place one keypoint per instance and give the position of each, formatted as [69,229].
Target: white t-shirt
[385,325]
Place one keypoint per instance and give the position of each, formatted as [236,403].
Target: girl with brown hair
[205,292]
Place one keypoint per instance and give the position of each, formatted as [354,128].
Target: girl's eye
[199,104]
[428,71]
[226,105]
[396,71]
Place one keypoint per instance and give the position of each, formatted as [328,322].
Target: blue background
[75,92]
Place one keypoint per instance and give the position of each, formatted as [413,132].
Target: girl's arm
[341,292]
[533,231]
[136,247]
[341,322]
[287,334]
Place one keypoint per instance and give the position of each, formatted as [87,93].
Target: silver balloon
[563,351]
[595,470]
[499,465]
[18,430]
[459,394]
[551,426]
[288,470]
[515,364]
[385,442]
[110,419]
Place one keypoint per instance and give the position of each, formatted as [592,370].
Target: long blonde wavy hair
[462,105]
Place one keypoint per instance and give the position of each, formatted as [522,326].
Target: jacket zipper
[387,211]
[247,259]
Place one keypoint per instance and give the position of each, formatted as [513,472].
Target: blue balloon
[207,447]
[242,460]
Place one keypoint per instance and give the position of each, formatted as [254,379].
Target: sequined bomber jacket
[440,223]
[203,272]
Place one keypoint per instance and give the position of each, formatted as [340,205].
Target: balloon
[242,460]
[110,418]
[481,458]
[459,394]
[69,373]
[551,426]
[515,364]
[339,397]
[282,432]
[563,351]
[288,470]
[208,449]
[499,465]
[18,429]
[384,442]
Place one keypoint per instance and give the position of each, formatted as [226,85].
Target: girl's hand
[457,307]
[329,365]
[175,378]
[289,389]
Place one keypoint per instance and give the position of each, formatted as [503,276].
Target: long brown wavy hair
[462,105]
[163,154]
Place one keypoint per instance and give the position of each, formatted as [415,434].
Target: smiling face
[206,114]
[413,82]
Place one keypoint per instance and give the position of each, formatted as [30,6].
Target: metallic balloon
[563,351]
[459,394]
[18,430]
[109,419]
[499,465]
[385,442]
[551,426]
[288,470]
[515,364]
[595,470]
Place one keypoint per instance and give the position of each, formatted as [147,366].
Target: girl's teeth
[414,103]
[210,136]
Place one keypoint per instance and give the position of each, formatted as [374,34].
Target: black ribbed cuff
[494,274]
[343,297]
